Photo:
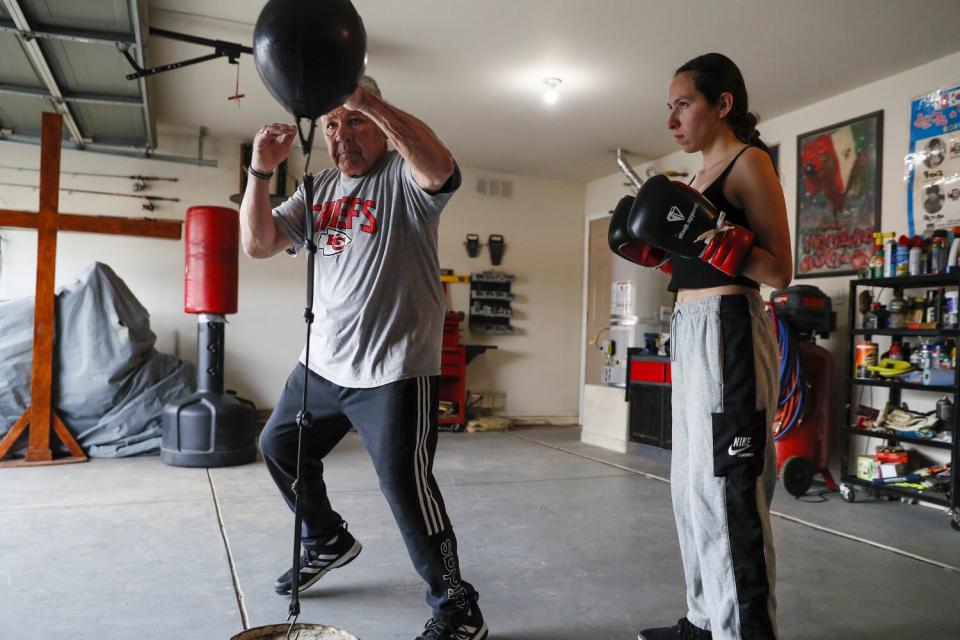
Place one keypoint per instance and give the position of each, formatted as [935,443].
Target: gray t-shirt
[378,302]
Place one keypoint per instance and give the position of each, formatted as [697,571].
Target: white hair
[371,85]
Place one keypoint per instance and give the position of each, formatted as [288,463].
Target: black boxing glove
[678,219]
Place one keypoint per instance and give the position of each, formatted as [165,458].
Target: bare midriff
[691,295]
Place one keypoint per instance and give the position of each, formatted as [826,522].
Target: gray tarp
[110,383]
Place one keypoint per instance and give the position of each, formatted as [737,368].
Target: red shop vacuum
[210,428]
[801,428]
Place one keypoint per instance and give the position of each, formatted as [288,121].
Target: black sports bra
[692,273]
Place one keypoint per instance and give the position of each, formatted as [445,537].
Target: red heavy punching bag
[210,428]
[210,277]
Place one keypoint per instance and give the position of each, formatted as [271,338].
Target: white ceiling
[473,69]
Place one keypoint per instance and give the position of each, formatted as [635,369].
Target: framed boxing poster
[933,162]
[838,196]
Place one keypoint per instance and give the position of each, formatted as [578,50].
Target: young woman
[724,356]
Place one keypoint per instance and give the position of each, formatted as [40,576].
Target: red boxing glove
[727,247]
[646,255]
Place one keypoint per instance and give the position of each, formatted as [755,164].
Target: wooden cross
[41,415]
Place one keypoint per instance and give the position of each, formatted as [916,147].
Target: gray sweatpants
[725,384]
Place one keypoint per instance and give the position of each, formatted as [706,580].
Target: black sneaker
[317,560]
[468,627]
[683,630]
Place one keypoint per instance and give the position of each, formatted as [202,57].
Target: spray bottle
[889,254]
[916,253]
[940,235]
[903,256]
[952,256]
[876,262]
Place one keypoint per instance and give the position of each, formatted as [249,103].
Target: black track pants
[398,425]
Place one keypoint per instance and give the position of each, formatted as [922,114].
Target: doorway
[598,278]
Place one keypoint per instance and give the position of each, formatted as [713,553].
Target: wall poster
[838,196]
[933,161]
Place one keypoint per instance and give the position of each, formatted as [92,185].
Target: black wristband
[259,174]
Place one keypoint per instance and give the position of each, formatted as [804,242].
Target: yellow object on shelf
[450,277]
[889,368]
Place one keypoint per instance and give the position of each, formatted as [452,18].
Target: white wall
[535,369]
[893,95]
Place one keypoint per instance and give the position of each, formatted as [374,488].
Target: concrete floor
[564,541]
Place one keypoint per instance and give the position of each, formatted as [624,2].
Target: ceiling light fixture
[550,95]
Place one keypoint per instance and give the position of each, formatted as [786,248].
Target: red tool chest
[453,372]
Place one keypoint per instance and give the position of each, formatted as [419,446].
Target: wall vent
[495,188]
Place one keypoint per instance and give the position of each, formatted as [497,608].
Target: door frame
[583,307]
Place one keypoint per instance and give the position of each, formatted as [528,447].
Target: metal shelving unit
[491,303]
[949,500]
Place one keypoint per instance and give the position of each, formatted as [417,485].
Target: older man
[376,341]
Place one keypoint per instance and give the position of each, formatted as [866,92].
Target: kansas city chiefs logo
[331,242]
[674,215]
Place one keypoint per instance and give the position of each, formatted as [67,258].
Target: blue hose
[791,380]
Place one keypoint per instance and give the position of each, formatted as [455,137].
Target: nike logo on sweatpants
[740,444]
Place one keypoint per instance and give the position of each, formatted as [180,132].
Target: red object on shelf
[651,371]
[892,456]
[453,370]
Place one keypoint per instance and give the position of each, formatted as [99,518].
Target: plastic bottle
[903,256]
[898,311]
[918,310]
[871,319]
[945,411]
[953,256]
[876,263]
[943,239]
[915,357]
[933,307]
[950,315]
[936,356]
[913,261]
[896,350]
[890,258]
[926,356]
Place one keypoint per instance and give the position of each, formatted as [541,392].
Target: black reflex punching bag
[310,53]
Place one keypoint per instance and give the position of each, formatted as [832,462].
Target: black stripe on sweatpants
[743,517]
